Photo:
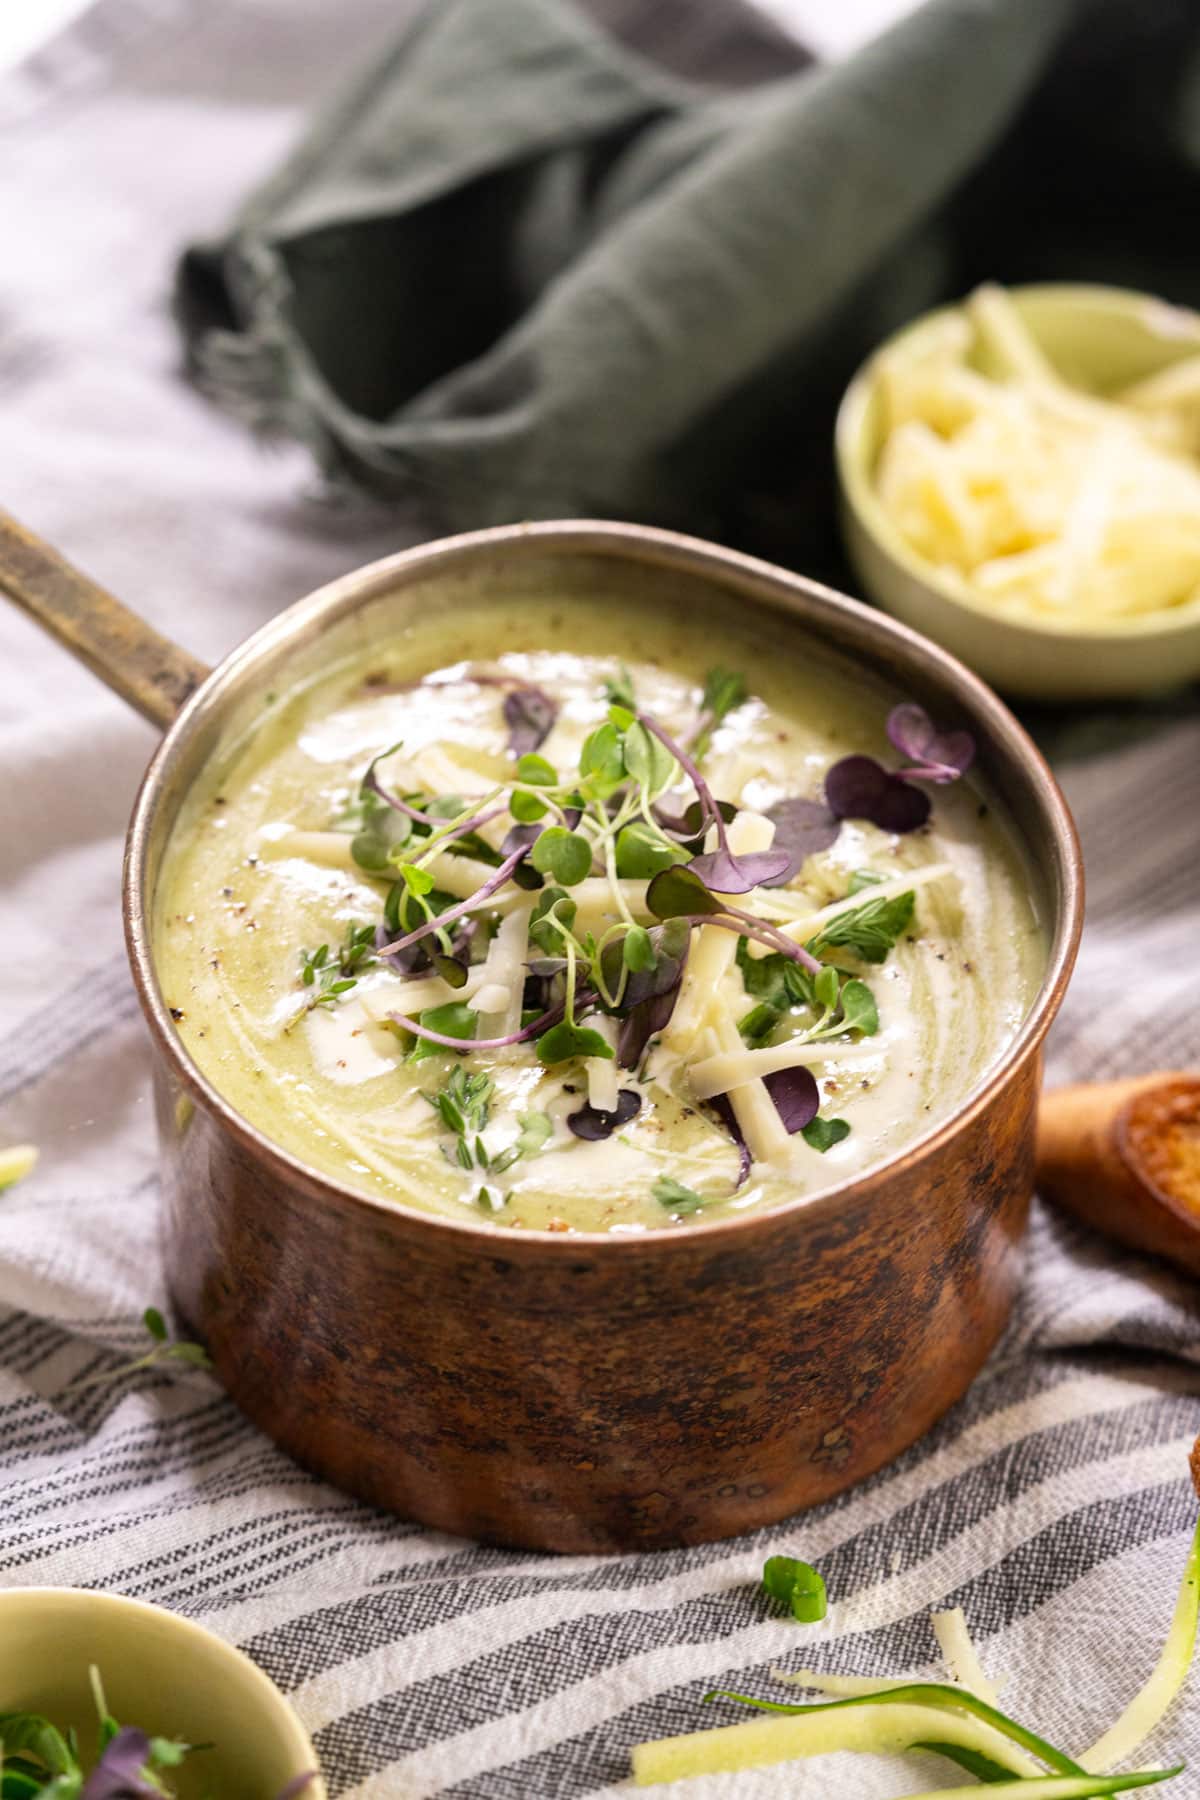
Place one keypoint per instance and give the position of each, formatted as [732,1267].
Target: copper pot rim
[764,582]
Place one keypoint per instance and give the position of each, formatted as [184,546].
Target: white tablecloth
[1053,1504]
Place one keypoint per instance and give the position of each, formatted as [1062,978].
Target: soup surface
[702,947]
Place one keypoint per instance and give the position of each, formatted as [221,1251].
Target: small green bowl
[1101,339]
[160,1672]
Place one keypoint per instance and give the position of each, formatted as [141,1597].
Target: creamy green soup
[458,926]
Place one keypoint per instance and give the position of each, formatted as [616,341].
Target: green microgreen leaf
[823,1134]
[637,950]
[453,1019]
[602,760]
[542,932]
[155,1324]
[566,1040]
[825,989]
[417,881]
[868,931]
[566,855]
[534,771]
[674,1197]
[859,1011]
[774,978]
[642,851]
[796,1585]
[677,893]
[759,1025]
[648,760]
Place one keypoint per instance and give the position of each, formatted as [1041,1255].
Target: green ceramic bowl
[160,1672]
[1102,339]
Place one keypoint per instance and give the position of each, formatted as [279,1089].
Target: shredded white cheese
[1038,497]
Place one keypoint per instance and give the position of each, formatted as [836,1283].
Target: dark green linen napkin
[517,270]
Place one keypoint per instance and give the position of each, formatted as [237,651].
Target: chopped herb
[333,976]
[823,1134]
[462,1102]
[536,1130]
[724,689]
[870,930]
[618,689]
[796,1585]
[675,1197]
[163,1349]
[863,878]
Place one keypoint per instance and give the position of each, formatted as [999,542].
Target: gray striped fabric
[1053,1504]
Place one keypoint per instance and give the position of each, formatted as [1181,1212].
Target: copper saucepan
[574,1392]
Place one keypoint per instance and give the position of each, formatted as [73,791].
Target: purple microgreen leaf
[520,837]
[650,993]
[441,920]
[402,962]
[296,1786]
[529,713]
[644,1020]
[796,1096]
[119,1773]
[803,828]
[937,756]
[688,826]
[727,872]
[593,1122]
[858,787]
[723,1107]
[547,967]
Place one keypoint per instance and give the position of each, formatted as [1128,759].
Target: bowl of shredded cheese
[1020,480]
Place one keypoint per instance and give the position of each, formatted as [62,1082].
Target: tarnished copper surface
[581,1392]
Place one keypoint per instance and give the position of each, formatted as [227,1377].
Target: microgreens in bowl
[39,1760]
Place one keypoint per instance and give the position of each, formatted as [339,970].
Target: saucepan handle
[146,669]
